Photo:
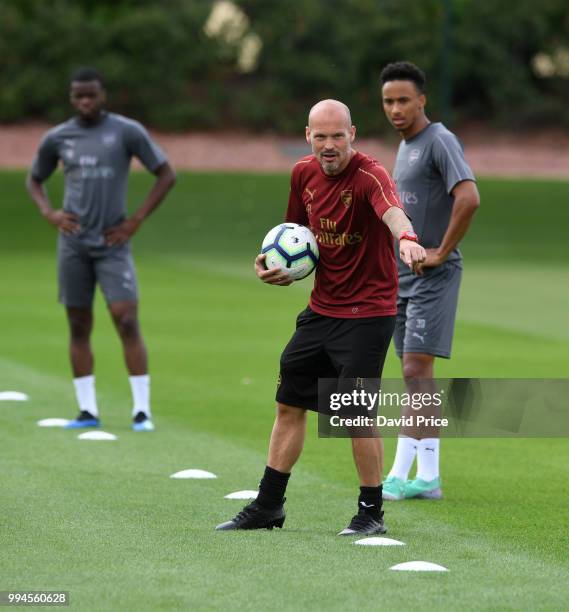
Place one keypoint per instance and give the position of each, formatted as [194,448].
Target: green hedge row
[162,68]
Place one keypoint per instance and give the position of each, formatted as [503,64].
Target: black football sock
[370,500]
[272,488]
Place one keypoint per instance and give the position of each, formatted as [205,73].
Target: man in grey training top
[95,148]
[438,191]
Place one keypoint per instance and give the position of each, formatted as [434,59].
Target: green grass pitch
[104,521]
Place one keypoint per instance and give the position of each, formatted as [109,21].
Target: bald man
[351,205]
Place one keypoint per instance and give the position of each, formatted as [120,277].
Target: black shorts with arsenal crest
[330,348]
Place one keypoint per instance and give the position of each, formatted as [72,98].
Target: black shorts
[327,347]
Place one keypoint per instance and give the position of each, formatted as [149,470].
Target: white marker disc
[242,495]
[202,474]
[379,542]
[96,435]
[13,396]
[53,422]
[418,566]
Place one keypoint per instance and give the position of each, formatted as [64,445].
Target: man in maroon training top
[350,203]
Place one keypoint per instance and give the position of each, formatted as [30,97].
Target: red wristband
[409,236]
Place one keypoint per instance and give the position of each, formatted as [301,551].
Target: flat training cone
[379,542]
[418,566]
[96,435]
[242,495]
[13,396]
[53,422]
[200,474]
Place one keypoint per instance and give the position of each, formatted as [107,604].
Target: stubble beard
[330,167]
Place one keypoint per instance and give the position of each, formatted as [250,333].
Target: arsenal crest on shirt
[109,139]
[346,197]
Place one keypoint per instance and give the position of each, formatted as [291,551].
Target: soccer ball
[292,247]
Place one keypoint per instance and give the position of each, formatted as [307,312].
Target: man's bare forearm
[466,202]
[38,193]
[165,179]
[397,221]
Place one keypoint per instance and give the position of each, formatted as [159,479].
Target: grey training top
[428,166]
[96,162]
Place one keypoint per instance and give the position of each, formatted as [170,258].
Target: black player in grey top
[95,148]
[438,191]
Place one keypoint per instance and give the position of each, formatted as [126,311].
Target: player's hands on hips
[65,222]
[274,276]
[433,259]
[121,233]
[411,253]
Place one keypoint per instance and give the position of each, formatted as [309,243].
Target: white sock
[428,459]
[404,457]
[85,392]
[140,386]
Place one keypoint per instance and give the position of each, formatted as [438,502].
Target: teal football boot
[421,489]
[393,489]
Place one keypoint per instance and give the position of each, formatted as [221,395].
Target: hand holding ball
[292,248]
